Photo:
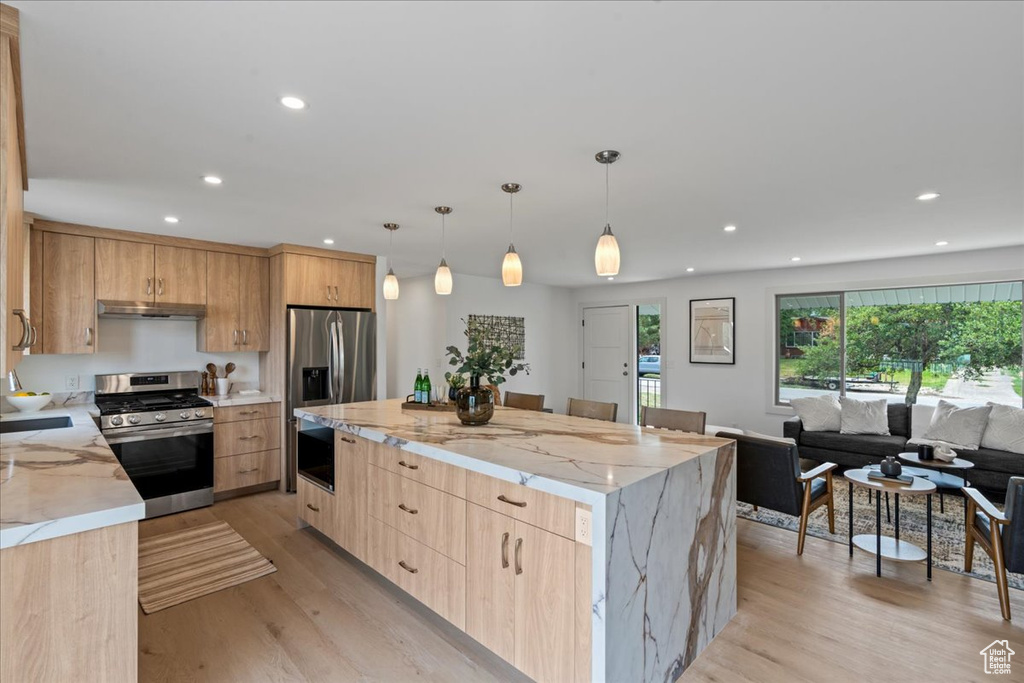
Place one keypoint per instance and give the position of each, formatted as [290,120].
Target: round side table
[891,548]
[949,476]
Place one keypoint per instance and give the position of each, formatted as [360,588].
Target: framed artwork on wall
[712,331]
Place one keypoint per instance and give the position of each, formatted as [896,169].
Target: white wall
[422,324]
[738,395]
[135,346]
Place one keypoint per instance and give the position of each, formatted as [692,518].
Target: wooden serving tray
[430,407]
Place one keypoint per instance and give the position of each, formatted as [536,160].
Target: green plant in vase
[455,382]
[475,404]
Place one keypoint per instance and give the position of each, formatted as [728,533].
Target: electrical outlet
[584,526]
[71,382]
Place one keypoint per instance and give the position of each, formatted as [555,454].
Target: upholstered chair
[1000,534]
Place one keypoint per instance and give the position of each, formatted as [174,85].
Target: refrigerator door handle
[333,364]
[331,369]
[341,360]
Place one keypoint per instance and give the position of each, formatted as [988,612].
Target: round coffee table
[947,476]
[891,548]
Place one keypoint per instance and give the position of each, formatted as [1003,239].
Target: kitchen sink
[38,424]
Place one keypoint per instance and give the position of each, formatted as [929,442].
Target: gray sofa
[991,472]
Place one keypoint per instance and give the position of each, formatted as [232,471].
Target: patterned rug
[947,527]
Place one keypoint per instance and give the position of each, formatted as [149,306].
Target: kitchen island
[573,548]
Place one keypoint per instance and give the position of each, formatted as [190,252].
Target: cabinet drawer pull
[249,471]
[160,287]
[328,292]
[33,337]
[312,507]
[519,553]
[336,293]
[517,503]
[347,440]
[88,336]
[235,338]
[249,412]
[26,330]
[504,550]
[407,465]
[149,285]
[403,565]
[245,337]
[411,511]
[257,436]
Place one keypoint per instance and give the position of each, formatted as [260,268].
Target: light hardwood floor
[325,617]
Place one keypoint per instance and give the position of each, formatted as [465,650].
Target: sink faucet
[13,382]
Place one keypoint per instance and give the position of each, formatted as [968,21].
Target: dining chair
[768,475]
[524,401]
[597,410]
[1000,534]
[680,420]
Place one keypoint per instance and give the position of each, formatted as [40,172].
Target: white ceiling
[810,125]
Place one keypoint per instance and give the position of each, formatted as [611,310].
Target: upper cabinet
[65,298]
[237,304]
[137,271]
[335,283]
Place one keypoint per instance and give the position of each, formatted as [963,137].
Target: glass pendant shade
[390,285]
[606,256]
[512,268]
[443,279]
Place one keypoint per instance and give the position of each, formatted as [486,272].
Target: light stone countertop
[239,400]
[577,458]
[59,482]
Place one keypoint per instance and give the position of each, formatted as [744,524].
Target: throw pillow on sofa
[864,417]
[818,413]
[962,427]
[1005,429]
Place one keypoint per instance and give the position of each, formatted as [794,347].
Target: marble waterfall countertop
[242,399]
[576,458]
[59,482]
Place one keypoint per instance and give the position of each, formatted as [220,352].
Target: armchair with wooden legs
[768,475]
[1000,534]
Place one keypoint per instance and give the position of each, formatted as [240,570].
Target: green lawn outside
[789,368]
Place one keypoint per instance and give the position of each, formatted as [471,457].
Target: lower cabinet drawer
[433,473]
[544,510]
[427,575]
[248,469]
[250,436]
[432,517]
[315,506]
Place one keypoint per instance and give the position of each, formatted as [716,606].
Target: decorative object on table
[29,401]
[944,453]
[475,404]
[212,369]
[223,385]
[879,476]
[926,451]
[506,331]
[891,467]
[712,331]
[455,382]
[390,281]
[443,276]
[204,387]
[606,256]
[409,404]
[511,266]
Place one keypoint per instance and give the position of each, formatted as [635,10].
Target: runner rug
[182,565]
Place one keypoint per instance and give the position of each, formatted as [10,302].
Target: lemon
[23,393]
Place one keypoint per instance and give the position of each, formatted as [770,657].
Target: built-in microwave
[315,456]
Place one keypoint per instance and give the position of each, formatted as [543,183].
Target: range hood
[146,309]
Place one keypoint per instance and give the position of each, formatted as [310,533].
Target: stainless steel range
[161,431]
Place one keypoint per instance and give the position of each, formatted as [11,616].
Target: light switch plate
[71,383]
[584,526]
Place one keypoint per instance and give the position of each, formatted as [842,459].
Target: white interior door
[607,355]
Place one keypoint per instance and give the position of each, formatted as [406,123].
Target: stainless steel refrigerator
[332,358]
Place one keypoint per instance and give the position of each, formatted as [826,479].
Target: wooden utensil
[212,369]
[228,369]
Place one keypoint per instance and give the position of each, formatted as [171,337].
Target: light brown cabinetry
[237,304]
[316,506]
[520,588]
[319,281]
[553,513]
[138,271]
[246,446]
[179,274]
[67,290]
[341,515]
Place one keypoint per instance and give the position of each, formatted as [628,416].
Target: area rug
[183,565]
[947,527]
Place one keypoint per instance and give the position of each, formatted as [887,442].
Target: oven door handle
[162,433]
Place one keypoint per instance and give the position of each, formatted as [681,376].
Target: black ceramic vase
[474,404]
[891,467]
[453,393]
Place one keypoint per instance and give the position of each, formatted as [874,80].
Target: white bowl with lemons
[29,401]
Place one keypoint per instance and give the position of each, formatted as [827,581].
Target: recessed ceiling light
[171,219]
[730,228]
[927,196]
[328,241]
[212,180]
[941,243]
[689,270]
[795,258]
[292,102]
[611,278]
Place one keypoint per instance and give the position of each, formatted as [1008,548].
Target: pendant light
[511,267]
[443,276]
[390,281]
[606,256]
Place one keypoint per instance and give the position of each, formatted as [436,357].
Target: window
[648,346]
[961,343]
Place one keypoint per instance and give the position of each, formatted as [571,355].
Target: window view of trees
[913,345]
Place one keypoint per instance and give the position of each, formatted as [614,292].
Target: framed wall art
[713,331]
